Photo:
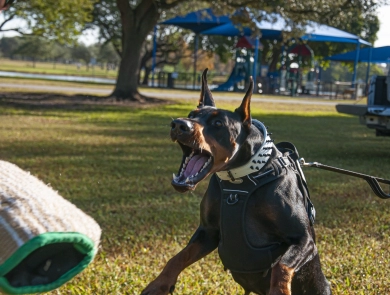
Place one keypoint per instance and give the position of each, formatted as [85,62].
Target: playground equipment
[376,114]
[295,60]
[243,67]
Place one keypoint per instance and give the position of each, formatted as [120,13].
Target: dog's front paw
[158,287]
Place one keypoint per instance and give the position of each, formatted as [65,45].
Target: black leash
[372,181]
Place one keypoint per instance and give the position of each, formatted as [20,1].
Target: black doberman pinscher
[256,210]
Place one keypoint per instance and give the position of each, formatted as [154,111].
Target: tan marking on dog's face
[220,153]
[199,138]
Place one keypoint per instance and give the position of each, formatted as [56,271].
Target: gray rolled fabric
[44,239]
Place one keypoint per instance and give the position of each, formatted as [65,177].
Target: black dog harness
[235,251]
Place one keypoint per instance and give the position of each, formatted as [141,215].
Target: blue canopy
[378,55]
[229,29]
[323,33]
[270,29]
[272,25]
[198,21]
[273,30]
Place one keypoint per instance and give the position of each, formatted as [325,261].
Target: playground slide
[229,84]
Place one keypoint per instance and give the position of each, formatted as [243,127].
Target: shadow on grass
[55,101]
[116,163]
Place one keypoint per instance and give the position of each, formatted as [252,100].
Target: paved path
[230,97]
[48,88]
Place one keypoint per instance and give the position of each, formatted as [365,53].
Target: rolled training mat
[44,239]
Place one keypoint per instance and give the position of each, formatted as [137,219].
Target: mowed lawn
[55,68]
[116,164]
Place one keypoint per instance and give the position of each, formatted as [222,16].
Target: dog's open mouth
[195,166]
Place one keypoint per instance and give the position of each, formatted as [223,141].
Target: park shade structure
[272,26]
[373,55]
[368,55]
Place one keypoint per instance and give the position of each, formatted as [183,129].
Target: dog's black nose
[181,126]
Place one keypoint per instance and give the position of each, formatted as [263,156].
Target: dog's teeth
[187,179]
[173,176]
[196,174]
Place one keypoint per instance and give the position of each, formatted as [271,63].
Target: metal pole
[255,64]
[318,77]
[154,53]
[355,66]
[368,68]
[195,58]
[283,66]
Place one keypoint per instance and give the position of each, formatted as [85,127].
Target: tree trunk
[142,65]
[136,25]
[148,70]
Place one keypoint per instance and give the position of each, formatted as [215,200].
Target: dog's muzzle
[180,127]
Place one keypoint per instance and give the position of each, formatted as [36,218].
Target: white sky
[383,34]
[384,31]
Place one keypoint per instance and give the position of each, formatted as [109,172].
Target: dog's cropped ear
[206,98]
[244,110]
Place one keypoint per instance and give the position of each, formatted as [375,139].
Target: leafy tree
[127,24]
[82,53]
[339,72]
[133,21]
[363,24]
[57,20]
[107,54]
[34,48]
[57,51]
[8,45]
[171,48]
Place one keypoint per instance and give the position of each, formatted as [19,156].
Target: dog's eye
[218,123]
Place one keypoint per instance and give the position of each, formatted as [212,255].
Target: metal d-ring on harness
[232,199]
[372,181]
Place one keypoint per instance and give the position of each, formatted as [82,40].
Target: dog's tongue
[194,165]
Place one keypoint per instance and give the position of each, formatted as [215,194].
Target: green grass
[57,69]
[116,163]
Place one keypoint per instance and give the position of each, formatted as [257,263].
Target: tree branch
[15,30]
[116,47]
[143,8]
[6,21]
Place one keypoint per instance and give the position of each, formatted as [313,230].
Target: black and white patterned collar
[257,161]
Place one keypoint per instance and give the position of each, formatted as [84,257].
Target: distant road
[97,91]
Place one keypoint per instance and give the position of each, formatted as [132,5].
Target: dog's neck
[256,162]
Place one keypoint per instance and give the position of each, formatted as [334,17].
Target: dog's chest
[245,243]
